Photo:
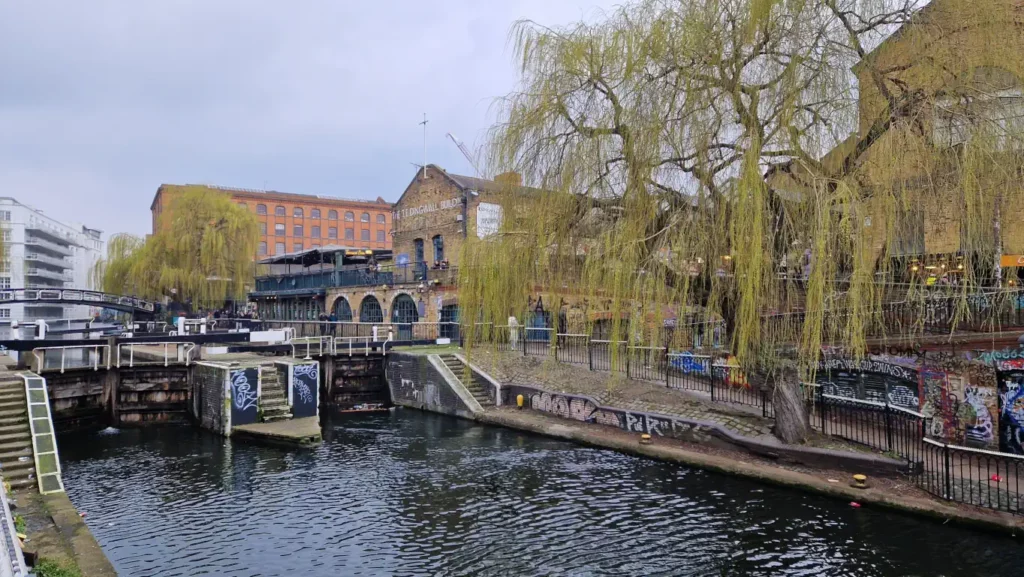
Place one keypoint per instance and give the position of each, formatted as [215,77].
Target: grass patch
[55,568]
[19,524]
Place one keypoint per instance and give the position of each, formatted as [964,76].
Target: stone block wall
[414,382]
[209,400]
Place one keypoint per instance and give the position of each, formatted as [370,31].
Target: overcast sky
[102,101]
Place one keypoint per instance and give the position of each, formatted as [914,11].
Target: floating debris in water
[110,431]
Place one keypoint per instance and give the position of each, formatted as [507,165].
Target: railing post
[664,365]
[590,355]
[711,366]
[888,426]
[821,408]
[626,349]
[945,458]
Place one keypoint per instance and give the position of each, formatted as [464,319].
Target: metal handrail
[41,358]
[308,341]
[186,349]
[352,340]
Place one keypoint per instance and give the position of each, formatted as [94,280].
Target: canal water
[407,493]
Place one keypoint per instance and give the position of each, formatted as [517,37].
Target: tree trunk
[791,419]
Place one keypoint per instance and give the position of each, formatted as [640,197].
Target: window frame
[381,219]
[332,215]
[314,213]
[350,233]
[279,229]
[279,210]
[332,232]
[261,209]
[314,231]
[297,230]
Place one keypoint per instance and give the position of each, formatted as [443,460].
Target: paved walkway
[614,390]
[297,432]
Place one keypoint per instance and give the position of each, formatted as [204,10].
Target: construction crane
[465,152]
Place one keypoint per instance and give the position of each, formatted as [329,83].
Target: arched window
[365,217]
[370,311]
[261,209]
[332,215]
[350,216]
[297,212]
[403,314]
[279,211]
[315,213]
[381,219]
[343,310]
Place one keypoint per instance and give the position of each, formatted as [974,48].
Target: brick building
[295,222]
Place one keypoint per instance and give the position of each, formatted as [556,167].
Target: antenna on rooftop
[465,152]
[424,123]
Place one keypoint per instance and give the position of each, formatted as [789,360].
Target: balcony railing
[50,260]
[358,276]
[47,245]
[48,274]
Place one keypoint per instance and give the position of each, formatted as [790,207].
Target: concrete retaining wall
[414,382]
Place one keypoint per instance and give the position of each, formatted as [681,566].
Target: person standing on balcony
[323,324]
[333,319]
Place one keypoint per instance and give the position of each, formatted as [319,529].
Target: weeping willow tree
[766,165]
[202,252]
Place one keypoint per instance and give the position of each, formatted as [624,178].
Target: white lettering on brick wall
[427,208]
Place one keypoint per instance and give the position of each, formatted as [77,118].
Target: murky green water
[414,494]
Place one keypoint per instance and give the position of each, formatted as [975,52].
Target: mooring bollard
[859,482]
[519,401]
[645,439]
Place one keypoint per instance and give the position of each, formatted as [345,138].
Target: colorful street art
[1011,414]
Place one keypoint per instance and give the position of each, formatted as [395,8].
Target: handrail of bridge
[182,350]
[40,355]
[324,344]
[351,341]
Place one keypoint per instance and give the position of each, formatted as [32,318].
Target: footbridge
[78,297]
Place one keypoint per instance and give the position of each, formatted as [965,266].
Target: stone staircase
[17,464]
[273,396]
[478,386]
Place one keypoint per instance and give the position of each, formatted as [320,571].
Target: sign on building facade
[488,219]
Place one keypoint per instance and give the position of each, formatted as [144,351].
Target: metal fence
[973,476]
[881,426]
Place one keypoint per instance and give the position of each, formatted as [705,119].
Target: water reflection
[414,494]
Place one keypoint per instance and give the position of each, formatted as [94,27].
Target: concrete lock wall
[414,382]
[209,400]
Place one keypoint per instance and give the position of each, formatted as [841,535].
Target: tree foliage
[695,151]
[202,252]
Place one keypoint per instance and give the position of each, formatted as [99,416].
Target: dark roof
[321,254]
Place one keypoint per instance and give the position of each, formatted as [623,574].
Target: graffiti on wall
[305,387]
[1011,414]
[244,396]
[426,396]
[976,415]
[585,410]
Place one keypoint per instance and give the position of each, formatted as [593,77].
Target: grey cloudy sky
[102,101]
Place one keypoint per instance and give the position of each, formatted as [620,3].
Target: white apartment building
[43,253]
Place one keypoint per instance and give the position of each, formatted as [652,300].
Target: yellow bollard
[645,439]
[519,401]
[860,482]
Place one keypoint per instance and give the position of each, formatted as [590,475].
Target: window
[365,217]
[6,235]
[243,205]
[364,234]
[5,313]
[261,209]
[263,248]
[418,248]
[381,219]
[380,236]
[5,215]
[314,232]
[278,248]
[297,212]
[297,247]
[315,213]
[5,266]
[332,215]
[350,234]
[297,230]
[438,248]
[263,228]
[279,211]
[5,282]
[350,217]
[279,229]
[332,232]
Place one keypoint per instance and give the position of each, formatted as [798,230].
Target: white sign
[427,208]
[488,219]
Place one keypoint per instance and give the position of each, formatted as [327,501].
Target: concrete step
[18,420]
[18,393]
[13,411]
[276,411]
[16,435]
[274,418]
[14,455]
[6,404]
[11,468]
[5,430]
[22,482]
[15,446]
[274,402]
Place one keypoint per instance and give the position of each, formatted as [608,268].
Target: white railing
[64,263]
[312,345]
[182,352]
[36,241]
[348,344]
[98,353]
